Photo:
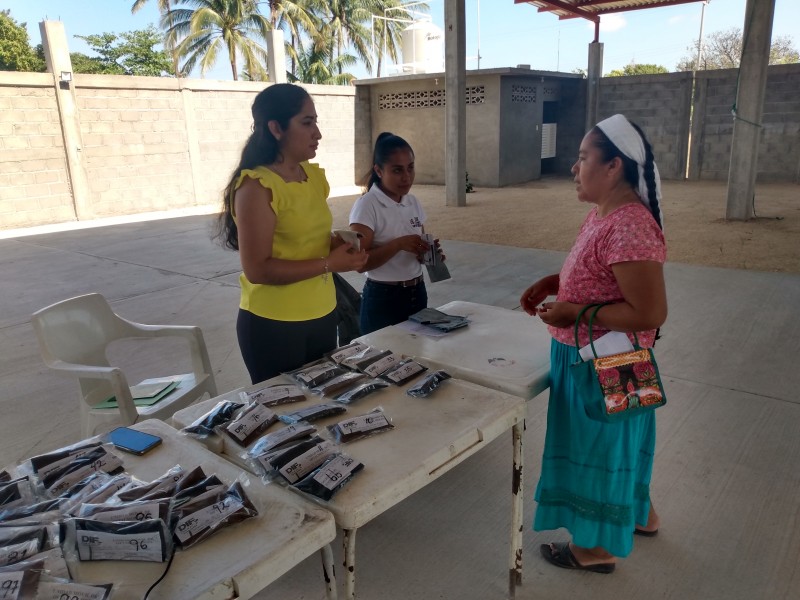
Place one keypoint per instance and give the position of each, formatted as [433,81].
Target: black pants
[270,348]
[383,305]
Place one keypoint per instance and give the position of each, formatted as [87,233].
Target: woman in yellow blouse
[276,215]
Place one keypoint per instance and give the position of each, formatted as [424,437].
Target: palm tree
[319,63]
[232,26]
[346,22]
[165,8]
[388,33]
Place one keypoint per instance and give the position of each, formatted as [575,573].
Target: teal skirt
[595,479]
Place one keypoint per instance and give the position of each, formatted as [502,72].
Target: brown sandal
[560,555]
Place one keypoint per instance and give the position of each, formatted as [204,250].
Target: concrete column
[593,74]
[455,67]
[193,141]
[276,56]
[56,53]
[747,126]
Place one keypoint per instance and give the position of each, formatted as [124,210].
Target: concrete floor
[727,471]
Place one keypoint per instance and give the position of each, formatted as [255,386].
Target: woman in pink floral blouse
[595,476]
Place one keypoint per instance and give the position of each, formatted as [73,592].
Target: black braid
[650,177]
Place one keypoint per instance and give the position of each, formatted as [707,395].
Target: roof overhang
[593,9]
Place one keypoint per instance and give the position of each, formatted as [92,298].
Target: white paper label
[142,512]
[379,366]
[106,463]
[18,552]
[101,545]
[49,590]
[363,423]
[345,352]
[192,524]
[302,465]
[404,371]
[335,471]
[10,584]
[274,394]
[252,418]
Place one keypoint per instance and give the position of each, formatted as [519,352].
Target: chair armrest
[114,375]
[201,364]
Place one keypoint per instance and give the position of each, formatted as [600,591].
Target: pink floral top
[630,233]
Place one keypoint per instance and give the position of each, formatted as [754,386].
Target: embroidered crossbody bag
[617,387]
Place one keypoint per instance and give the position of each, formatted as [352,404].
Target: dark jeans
[383,305]
[270,348]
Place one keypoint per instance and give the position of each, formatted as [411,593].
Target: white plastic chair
[73,336]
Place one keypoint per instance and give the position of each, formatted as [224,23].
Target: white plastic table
[236,562]
[501,349]
[431,436]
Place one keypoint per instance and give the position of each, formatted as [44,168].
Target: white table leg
[517,490]
[329,572]
[349,541]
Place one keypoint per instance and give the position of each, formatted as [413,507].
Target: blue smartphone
[135,442]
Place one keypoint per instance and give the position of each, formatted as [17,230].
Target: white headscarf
[622,134]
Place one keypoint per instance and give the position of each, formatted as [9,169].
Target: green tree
[129,53]
[165,8]
[16,53]
[723,50]
[234,27]
[637,69]
[319,63]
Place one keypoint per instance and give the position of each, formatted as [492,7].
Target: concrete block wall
[660,105]
[34,183]
[779,147]
[571,129]
[144,143]
[135,149]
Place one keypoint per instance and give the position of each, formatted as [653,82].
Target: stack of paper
[146,393]
[439,320]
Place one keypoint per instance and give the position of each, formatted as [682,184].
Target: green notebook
[146,393]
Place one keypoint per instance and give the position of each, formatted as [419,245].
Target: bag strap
[592,316]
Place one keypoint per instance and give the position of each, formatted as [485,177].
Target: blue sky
[510,34]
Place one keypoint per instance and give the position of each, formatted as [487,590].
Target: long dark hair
[279,102]
[386,145]
[630,169]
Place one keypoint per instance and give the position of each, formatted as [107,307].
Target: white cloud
[609,23]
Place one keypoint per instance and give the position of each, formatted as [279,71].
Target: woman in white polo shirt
[391,222]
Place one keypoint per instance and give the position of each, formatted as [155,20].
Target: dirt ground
[546,214]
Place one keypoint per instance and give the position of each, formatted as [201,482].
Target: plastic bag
[342,352]
[162,487]
[316,373]
[90,540]
[361,360]
[403,372]
[298,462]
[282,436]
[64,589]
[262,463]
[329,478]
[250,424]
[205,425]
[138,510]
[42,464]
[426,387]
[20,581]
[274,395]
[98,459]
[312,413]
[207,514]
[338,384]
[387,360]
[356,428]
[16,492]
[19,543]
[365,389]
